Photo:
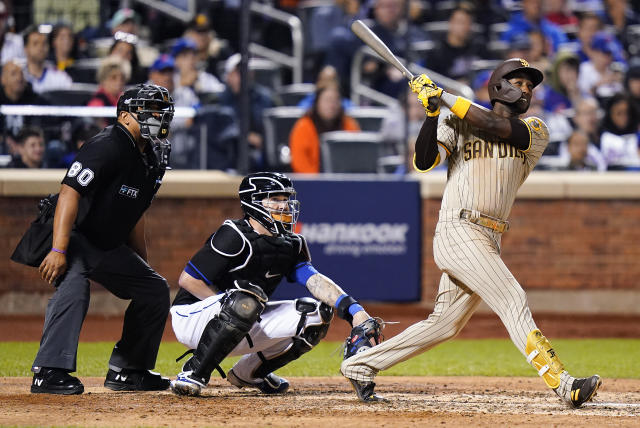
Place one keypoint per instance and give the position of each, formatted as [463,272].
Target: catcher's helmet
[499,87]
[153,108]
[255,187]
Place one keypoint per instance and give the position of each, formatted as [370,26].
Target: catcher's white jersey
[484,172]
[484,175]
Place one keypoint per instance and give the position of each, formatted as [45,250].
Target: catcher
[223,305]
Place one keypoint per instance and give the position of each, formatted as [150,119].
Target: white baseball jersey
[484,172]
[484,175]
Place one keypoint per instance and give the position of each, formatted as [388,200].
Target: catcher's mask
[501,90]
[152,107]
[269,198]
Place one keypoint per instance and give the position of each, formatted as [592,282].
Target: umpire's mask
[152,107]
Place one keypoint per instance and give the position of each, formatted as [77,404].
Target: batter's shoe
[365,391]
[187,384]
[55,381]
[270,384]
[135,380]
[583,390]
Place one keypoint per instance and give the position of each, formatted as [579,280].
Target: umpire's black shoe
[365,391]
[584,389]
[135,380]
[55,381]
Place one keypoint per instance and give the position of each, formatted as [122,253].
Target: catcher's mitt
[364,336]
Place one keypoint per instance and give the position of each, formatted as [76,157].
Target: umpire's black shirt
[117,184]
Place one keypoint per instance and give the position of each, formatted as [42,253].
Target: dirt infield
[327,402]
[330,402]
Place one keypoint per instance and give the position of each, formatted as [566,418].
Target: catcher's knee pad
[315,318]
[543,358]
[240,309]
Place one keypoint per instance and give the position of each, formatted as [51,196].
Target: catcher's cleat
[187,384]
[583,390]
[271,384]
[55,381]
[365,391]
[135,380]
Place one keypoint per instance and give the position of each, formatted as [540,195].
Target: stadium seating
[350,152]
[291,95]
[78,94]
[278,122]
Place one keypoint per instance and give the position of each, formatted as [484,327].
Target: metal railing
[294,61]
[359,89]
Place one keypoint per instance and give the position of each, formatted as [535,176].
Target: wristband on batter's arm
[347,307]
[458,105]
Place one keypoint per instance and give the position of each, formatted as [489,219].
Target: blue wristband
[355,308]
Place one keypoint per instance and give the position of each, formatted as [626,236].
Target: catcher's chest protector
[270,259]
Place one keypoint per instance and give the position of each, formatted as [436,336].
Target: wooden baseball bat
[370,39]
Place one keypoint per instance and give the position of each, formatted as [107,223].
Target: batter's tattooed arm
[327,291]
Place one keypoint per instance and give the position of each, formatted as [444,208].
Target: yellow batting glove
[429,96]
[417,83]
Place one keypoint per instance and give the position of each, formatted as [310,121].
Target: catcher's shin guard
[315,318]
[240,310]
[543,358]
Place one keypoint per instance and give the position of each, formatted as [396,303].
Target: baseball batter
[490,155]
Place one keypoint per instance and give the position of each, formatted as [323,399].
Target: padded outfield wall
[574,242]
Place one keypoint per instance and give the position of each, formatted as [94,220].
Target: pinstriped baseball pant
[469,257]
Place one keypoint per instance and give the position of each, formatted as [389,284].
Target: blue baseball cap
[181,45]
[163,62]
[602,42]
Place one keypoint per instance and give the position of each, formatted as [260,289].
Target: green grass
[611,358]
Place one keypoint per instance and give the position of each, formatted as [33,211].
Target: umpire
[99,234]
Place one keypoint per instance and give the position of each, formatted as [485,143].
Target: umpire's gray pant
[126,275]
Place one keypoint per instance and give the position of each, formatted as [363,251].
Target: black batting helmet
[255,187]
[499,87]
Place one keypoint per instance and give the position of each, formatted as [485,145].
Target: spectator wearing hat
[42,75]
[125,47]
[260,99]
[599,77]
[589,25]
[11,44]
[125,20]
[531,18]
[183,144]
[563,92]
[187,73]
[210,50]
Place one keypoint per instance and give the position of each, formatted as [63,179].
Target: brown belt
[484,220]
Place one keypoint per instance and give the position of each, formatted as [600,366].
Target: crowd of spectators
[589,51]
